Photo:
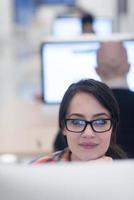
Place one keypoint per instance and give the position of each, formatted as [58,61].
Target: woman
[89,119]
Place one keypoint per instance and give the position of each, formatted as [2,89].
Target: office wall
[128,23]
[6,18]
[124,19]
[101,7]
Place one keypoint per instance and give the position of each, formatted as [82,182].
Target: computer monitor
[65,62]
[68,25]
[68,181]
[103,26]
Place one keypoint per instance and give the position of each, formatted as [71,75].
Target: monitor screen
[103,26]
[61,26]
[66,62]
[87,181]
[71,26]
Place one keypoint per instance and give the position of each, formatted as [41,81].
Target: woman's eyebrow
[95,115]
[76,115]
[101,114]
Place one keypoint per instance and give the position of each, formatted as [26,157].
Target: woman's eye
[77,122]
[100,122]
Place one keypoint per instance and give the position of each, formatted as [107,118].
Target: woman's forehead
[83,102]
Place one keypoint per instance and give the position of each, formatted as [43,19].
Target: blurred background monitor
[103,26]
[72,26]
[65,62]
[67,26]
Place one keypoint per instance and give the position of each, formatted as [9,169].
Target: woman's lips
[86,145]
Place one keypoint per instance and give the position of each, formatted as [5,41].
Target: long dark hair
[105,96]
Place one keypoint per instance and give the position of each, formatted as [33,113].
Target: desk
[27,127]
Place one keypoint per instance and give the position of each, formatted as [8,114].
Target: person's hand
[103,158]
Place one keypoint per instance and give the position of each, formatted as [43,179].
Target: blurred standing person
[87,21]
[112,67]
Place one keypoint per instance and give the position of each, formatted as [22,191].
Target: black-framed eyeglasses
[100,125]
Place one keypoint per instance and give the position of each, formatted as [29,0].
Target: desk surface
[27,127]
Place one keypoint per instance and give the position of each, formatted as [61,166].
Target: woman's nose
[88,132]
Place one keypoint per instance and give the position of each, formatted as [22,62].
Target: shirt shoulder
[62,155]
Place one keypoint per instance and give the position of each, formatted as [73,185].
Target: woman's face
[87,145]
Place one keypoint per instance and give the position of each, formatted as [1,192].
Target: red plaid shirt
[64,155]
